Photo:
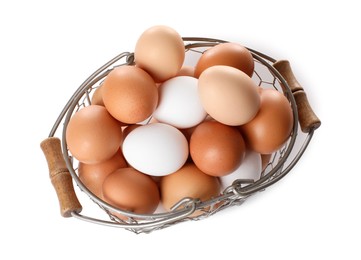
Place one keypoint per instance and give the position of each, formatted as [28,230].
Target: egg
[249,169]
[266,160]
[230,54]
[179,104]
[93,175]
[186,70]
[272,125]
[128,129]
[156,149]
[131,190]
[93,135]
[189,131]
[160,51]
[228,95]
[97,98]
[216,149]
[129,94]
[189,181]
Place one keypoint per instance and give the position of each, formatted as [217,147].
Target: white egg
[156,149]
[179,104]
[250,168]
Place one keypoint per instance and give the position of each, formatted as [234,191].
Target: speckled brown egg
[272,125]
[130,94]
[216,149]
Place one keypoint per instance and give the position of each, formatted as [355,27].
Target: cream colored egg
[160,51]
[228,95]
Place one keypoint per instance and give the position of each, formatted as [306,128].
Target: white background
[48,48]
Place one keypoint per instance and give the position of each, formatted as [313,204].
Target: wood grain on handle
[306,116]
[60,177]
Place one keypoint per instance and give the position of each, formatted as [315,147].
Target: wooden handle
[306,116]
[60,177]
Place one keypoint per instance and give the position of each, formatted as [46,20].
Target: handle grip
[60,177]
[307,117]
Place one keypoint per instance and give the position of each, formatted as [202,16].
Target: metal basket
[268,73]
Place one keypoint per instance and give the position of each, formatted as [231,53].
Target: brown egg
[265,160]
[272,125]
[160,51]
[128,129]
[97,98]
[130,94]
[188,181]
[131,190]
[229,54]
[93,175]
[186,71]
[228,95]
[216,149]
[187,132]
[93,135]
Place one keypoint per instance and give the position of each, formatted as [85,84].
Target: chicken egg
[228,95]
[188,181]
[131,190]
[266,160]
[93,135]
[179,104]
[97,98]
[186,70]
[160,51]
[129,94]
[216,149]
[93,175]
[229,54]
[249,169]
[156,149]
[272,125]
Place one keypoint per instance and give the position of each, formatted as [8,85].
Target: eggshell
[186,70]
[249,169]
[156,149]
[228,95]
[216,149]
[265,160]
[179,104]
[93,135]
[160,51]
[128,129]
[273,124]
[130,94]
[97,98]
[93,175]
[188,181]
[229,54]
[131,190]
[189,131]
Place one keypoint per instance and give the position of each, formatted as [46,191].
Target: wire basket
[268,73]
